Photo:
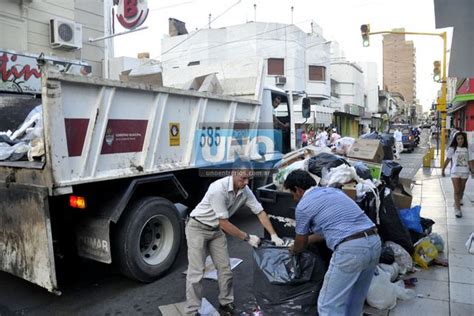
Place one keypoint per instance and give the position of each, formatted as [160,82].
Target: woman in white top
[458,155]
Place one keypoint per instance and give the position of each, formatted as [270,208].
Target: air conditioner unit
[65,34]
[280,80]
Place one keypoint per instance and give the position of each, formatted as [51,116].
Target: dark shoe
[227,310]
[457,212]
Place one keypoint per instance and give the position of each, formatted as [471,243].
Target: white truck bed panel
[98,129]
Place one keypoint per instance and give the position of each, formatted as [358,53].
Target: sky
[340,21]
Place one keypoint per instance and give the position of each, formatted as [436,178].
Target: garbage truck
[122,165]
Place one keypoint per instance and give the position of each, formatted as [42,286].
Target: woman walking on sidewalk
[458,155]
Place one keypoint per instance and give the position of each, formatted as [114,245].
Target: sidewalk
[441,290]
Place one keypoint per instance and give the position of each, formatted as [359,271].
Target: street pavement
[98,289]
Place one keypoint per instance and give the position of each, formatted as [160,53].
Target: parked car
[408,139]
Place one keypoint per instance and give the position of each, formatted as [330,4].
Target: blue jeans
[348,278]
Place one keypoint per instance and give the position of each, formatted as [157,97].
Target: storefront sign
[20,73]
[131,13]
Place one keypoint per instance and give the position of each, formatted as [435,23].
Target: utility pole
[441,107]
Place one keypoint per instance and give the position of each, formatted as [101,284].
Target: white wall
[350,82]
[25,28]
[371,85]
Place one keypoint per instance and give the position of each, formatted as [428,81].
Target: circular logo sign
[174,130]
[132,13]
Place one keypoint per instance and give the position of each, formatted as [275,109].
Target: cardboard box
[402,196]
[146,73]
[401,199]
[350,190]
[366,149]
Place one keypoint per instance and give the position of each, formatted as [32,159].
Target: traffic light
[365,30]
[437,71]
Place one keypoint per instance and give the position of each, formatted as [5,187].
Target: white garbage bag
[32,126]
[280,177]
[383,294]
[391,269]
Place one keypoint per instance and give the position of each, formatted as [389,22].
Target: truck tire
[147,239]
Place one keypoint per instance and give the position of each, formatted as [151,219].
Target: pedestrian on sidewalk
[205,233]
[328,213]
[398,142]
[304,139]
[459,156]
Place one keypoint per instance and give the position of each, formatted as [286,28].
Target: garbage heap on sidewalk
[361,169]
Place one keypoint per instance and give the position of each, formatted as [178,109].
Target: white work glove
[277,240]
[254,241]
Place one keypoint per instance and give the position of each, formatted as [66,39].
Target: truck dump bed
[100,129]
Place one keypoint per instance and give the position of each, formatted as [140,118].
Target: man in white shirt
[398,143]
[205,233]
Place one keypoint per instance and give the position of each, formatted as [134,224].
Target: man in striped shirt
[328,213]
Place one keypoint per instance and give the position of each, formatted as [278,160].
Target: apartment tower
[399,69]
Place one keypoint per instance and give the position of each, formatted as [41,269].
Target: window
[317,73]
[276,66]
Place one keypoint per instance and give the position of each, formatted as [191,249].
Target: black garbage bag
[390,172]
[324,161]
[368,203]
[362,170]
[391,227]
[294,297]
[387,255]
[387,141]
[426,224]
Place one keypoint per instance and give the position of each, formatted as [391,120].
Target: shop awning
[460,101]
[463,98]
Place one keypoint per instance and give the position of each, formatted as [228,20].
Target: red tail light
[77,202]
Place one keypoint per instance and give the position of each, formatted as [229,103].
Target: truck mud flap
[26,245]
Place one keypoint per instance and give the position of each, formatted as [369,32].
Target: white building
[348,97]
[371,86]
[294,60]
[25,29]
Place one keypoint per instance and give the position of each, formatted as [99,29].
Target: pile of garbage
[359,169]
[27,142]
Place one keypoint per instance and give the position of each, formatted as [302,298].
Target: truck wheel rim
[156,239]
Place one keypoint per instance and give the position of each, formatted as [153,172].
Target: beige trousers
[201,239]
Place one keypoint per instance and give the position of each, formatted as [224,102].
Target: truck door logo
[124,136]
[174,134]
[109,137]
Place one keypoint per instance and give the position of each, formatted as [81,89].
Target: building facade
[293,60]
[25,29]
[462,106]
[399,66]
[349,97]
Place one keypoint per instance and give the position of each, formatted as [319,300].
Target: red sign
[75,134]
[132,13]
[124,136]
[19,74]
